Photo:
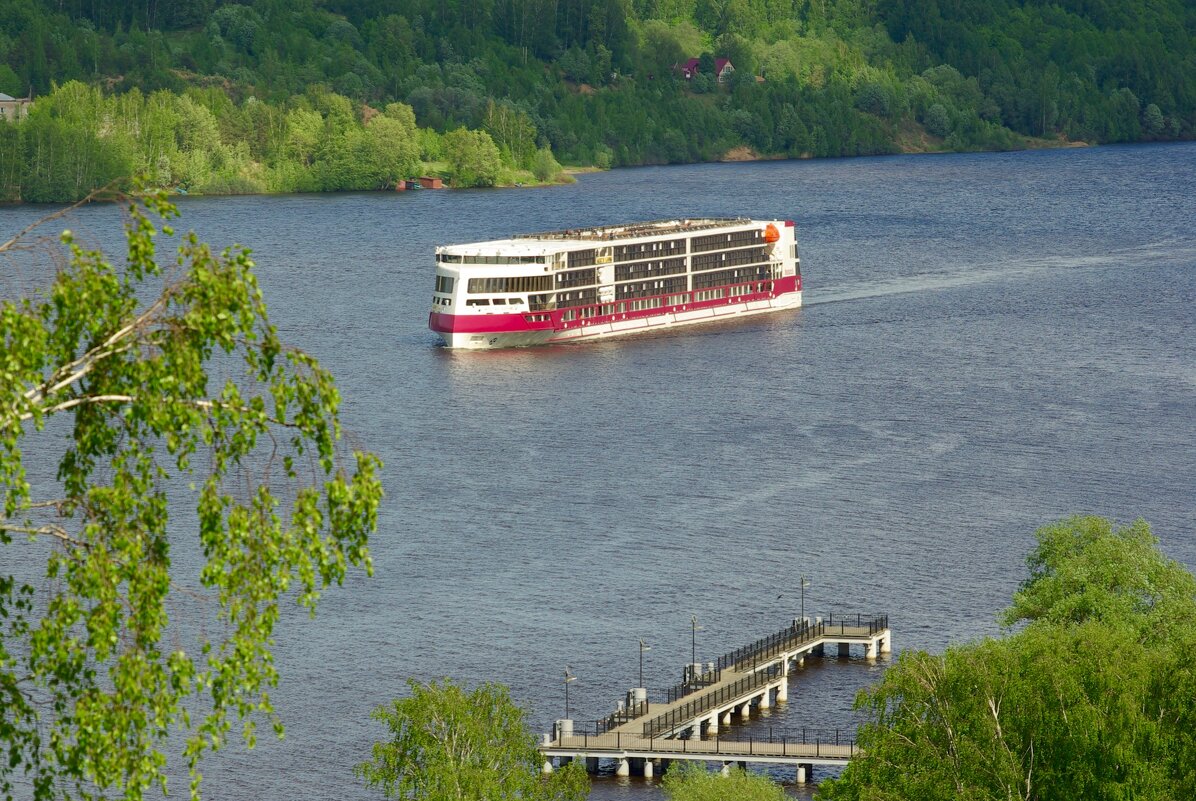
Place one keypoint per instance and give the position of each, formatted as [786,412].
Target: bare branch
[67,374]
[206,405]
[50,530]
[103,193]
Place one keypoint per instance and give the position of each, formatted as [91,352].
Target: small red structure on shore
[423,182]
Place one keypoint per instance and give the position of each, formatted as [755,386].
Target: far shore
[739,154]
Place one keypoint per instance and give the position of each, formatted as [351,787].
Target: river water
[989,342]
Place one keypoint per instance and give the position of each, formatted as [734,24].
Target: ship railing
[589,313]
[608,233]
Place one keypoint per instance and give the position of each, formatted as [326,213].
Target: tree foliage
[136,376]
[591,79]
[473,158]
[450,744]
[1091,699]
[689,781]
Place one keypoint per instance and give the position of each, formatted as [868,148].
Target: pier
[641,734]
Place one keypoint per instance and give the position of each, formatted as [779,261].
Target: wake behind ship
[586,283]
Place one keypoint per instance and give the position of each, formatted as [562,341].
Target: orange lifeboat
[771,234]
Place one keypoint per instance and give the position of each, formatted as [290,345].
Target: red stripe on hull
[519,322]
[482,323]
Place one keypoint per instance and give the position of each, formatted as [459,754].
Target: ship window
[452,259]
[478,302]
[499,301]
[646,303]
[444,283]
[524,283]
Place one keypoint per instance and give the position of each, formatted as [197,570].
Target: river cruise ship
[586,283]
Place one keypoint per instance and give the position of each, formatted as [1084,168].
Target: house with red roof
[722,69]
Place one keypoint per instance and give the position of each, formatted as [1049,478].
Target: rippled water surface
[989,342]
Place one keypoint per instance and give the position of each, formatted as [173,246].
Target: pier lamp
[693,653]
[804,584]
[643,648]
[569,677]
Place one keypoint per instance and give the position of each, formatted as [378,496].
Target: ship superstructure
[604,281]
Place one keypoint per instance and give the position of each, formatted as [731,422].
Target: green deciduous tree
[472,157]
[544,166]
[1152,120]
[393,143]
[937,120]
[512,131]
[136,378]
[1084,569]
[449,744]
[1091,699]
[690,781]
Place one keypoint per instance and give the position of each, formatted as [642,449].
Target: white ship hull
[610,281]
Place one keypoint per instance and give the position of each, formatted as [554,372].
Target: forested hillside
[282,95]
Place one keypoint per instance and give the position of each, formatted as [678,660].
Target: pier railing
[767,647]
[617,719]
[840,625]
[725,694]
[827,743]
[684,688]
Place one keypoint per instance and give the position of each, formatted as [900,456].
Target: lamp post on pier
[643,648]
[569,677]
[693,645]
[804,584]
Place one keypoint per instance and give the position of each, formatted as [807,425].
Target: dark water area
[989,342]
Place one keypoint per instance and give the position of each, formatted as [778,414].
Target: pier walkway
[640,731]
